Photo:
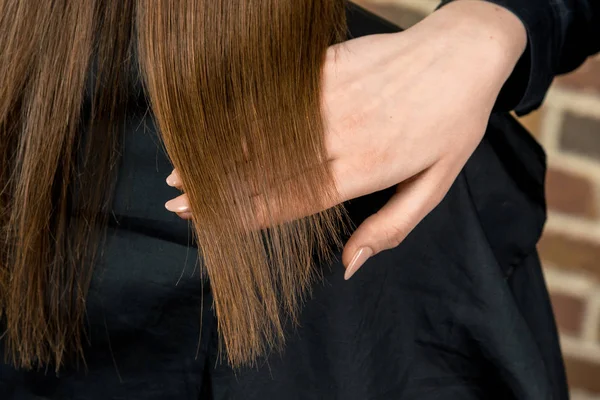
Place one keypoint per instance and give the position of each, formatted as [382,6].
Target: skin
[410,114]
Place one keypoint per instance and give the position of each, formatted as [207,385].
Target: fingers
[277,204]
[179,204]
[174,180]
[261,215]
[388,227]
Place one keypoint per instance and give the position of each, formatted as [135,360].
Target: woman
[457,310]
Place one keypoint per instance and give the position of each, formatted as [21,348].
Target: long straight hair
[235,89]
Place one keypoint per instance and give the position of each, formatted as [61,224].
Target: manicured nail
[171,181]
[358,260]
[178,204]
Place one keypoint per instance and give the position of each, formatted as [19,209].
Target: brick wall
[568,126]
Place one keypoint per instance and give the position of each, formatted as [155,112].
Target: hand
[409,109]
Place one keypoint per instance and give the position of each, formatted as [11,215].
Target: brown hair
[221,75]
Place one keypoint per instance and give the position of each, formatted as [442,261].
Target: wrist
[502,24]
[484,29]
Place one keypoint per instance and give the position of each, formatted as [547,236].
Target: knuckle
[394,235]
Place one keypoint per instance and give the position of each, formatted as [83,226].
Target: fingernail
[171,181]
[358,260]
[177,205]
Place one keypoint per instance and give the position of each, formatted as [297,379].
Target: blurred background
[568,127]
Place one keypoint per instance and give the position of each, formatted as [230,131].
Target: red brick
[571,194]
[581,135]
[583,374]
[569,311]
[571,253]
[586,78]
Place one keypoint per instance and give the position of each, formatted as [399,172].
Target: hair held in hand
[234,87]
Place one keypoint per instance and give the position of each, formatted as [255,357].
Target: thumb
[388,227]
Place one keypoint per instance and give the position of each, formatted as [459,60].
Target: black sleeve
[561,35]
